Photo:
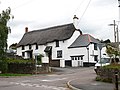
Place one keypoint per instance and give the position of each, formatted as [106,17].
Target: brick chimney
[75,21]
[26,29]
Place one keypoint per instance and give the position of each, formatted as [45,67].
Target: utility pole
[114,30]
[114,24]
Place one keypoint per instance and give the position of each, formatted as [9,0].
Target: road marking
[39,86]
[51,80]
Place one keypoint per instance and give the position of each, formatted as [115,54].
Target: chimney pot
[26,29]
[75,21]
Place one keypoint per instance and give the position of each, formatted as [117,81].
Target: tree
[5,16]
[112,52]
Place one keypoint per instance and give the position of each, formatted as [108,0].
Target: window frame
[36,46]
[57,43]
[59,54]
[23,47]
[95,46]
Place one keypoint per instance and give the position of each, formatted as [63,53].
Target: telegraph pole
[114,30]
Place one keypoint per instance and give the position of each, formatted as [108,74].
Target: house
[61,46]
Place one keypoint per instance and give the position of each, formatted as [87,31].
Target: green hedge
[11,65]
[107,73]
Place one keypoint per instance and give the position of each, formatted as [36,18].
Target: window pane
[36,46]
[59,54]
[23,47]
[57,43]
[95,46]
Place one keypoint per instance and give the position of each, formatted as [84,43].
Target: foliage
[11,74]
[112,52]
[5,16]
[112,66]
[39,58]
[109,80]
[10,60]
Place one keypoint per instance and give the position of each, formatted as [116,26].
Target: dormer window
[57,43]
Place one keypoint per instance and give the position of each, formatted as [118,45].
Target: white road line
[51,80]
[37,86]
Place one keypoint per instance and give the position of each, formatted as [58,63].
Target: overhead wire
[84,11]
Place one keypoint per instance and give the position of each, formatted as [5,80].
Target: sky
[94,16]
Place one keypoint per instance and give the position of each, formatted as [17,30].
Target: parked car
[102,62]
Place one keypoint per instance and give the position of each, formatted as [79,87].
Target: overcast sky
[94,16]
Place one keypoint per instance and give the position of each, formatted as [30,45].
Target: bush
[107,73]
[3,65]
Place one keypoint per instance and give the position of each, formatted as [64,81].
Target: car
[101,63]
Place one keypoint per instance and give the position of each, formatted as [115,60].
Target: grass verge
[11,74]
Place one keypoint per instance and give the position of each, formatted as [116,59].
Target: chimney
[75,21]
[26,29]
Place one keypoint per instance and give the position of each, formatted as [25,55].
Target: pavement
[93,85]
[90,84]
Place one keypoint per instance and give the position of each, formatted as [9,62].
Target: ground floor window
[23,54]
[59,54]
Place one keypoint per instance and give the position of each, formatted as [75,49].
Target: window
[72,58]
[23,47]
[30,47]
[95,46]
[95,58]
[77,57]
[57,43]
[59,54]
[36,46]
[23,54]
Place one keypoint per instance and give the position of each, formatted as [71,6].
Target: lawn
[11,74]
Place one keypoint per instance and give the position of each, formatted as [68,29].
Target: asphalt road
[55,81]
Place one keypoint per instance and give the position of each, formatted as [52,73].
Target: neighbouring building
[61,46]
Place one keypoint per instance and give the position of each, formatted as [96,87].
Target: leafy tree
[112,52]
[5,16]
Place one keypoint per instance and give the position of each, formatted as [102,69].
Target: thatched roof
[83,41]
[47,35]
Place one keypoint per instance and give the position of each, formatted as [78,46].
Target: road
[54,81]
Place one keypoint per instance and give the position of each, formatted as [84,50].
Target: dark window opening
[30,47]
[57,43]
[59,54]
[95,58]
[36,46]
[95,46]
[77,57]
[23,48]
[23,54]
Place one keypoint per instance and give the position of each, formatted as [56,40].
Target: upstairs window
[30,47]
[59,54]
[57,43]
[36,46]
[23,48]
[95,46]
